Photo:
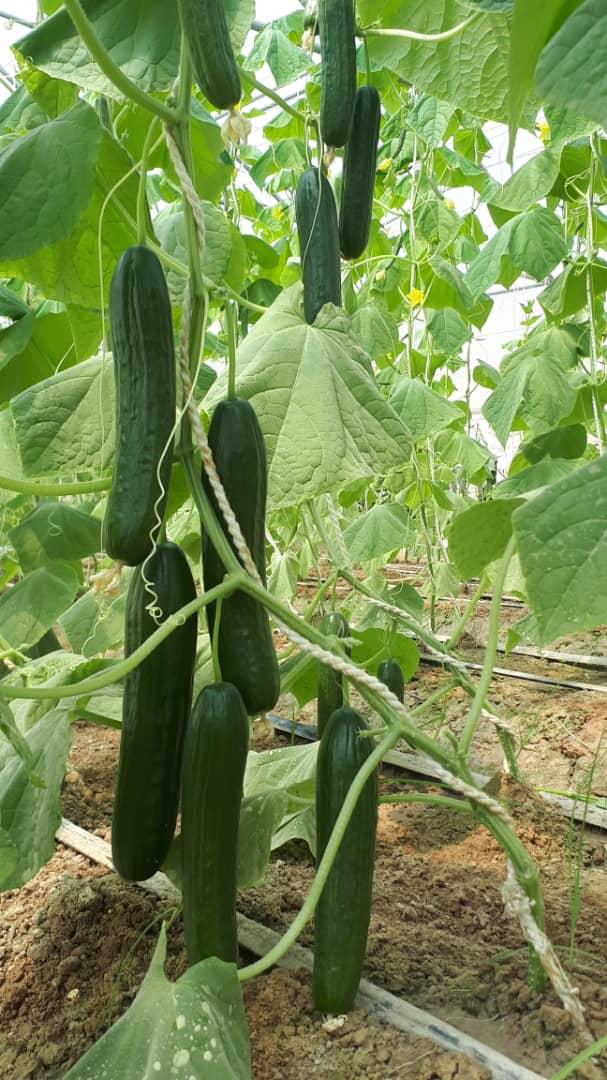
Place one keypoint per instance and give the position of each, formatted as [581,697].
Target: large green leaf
[30,607]
[571,70]
[46,181]
[528,37]
[469,69]
[285,60]
[65,425]
[562,547]
[324,420]
[422,410]
[532,242]
[29,814]
[94,623]
[141,36]
[479,535]
[55,531]
[46,344]
[534,380]
[195,1027]
[78,269]
[384,528]
[221,239]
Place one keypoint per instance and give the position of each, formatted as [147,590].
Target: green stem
[215,651]
[429,800]
[268,92]
[414,35]
[327,540]
[142,210]
[580,1059]
[428,702]
[324,867]
[231,332]
[484,682]
[241,300]
[103,59]
[466,615]
[122,667]
[42,488]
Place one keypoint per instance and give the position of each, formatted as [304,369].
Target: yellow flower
[449,204]
[277,212]
[543,130]
[384,165]
[416,297]
[380,275]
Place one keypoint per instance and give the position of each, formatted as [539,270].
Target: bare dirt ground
[74,944]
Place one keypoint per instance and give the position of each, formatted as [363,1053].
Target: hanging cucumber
[338,71]
[214,764]
[156,705]
[144,367]
[215,70]
[358,181]
[391,674]
[318,242]
[344,909]
[246,651]
[330,694]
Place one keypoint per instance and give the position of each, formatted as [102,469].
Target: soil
[76,941]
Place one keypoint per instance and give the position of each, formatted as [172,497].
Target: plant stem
[231,332]
[309,906]
[484,682]
[17,19]
[430,800]
[466,615]
[122,667]
[268,92]
[414,35]
[215,650]
[42,488]
[110,69]
[142,211]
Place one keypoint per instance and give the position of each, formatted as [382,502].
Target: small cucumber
[338,72]
[145,376]
[358,180]
[330,695]
[205,29]
[155,707]
[342,917]
[391,673]
[215,758]
[318,242]
[247,657]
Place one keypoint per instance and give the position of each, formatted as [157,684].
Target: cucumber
[358,181]
[330,695]
[144,367]
[156,705]
[391,673]
[318,242]
[338,72]
[342,916]
[215,757]
[205,29]
[247,657]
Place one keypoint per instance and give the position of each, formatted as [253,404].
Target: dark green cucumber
[391,674]
[342,917]
[358,180]
[318,243]
[156,705]
[246,650]
[214,66]
[338,72]
[330,695]
[215,757]
[144,368]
